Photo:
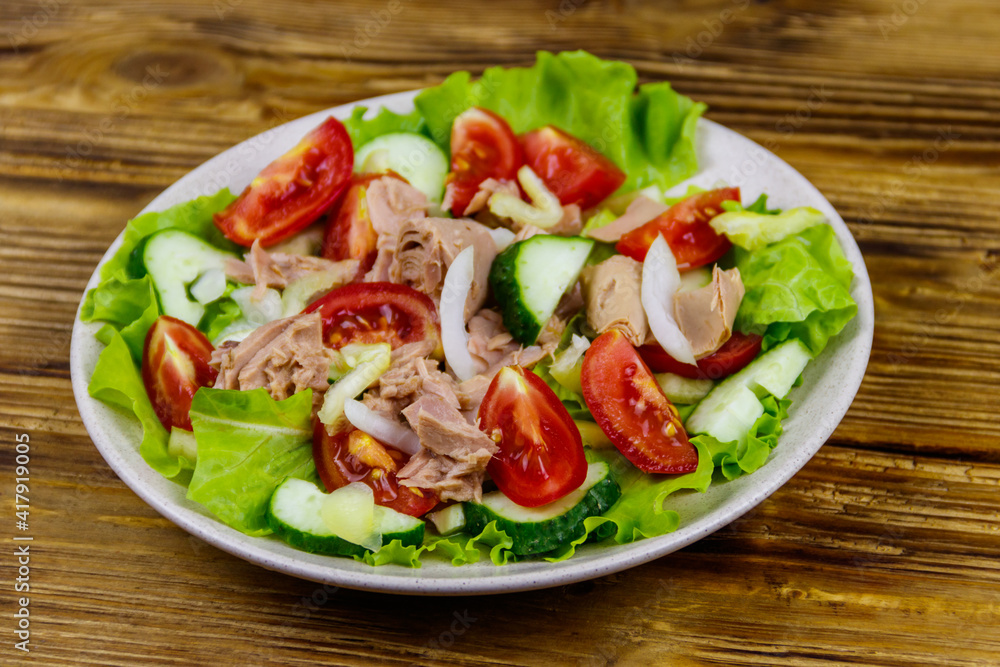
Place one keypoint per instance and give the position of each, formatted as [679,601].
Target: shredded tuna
[706,315]
[285,356]
[494,347]
[527,232]
[426,248]
[391,202]
[639,212]
[571,222]
[455,453]
[410,377]
[266,269]
[611,292]
[487,189]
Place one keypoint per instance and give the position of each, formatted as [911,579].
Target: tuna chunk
[705,315]
[455,453]
[611,292]
[494,347]
[639,212]
[285,357]
[411,378]
[426,247]
[391,202]
[487,189]
[278,269]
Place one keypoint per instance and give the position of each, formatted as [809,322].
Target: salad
[480,329]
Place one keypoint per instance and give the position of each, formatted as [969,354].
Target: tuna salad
[483,329]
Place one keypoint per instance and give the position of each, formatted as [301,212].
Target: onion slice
[660,282]
[382,429]
[454,335]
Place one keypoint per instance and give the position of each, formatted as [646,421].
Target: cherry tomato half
[174,366]
[293,191]
[632,410]
[572,170]
[354,456]
[686,230]
[734,355]
[482,146]
[377,313]
[541,455]
[349,232]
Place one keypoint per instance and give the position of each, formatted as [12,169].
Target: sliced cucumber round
[295,514]
[536,530]
[176,261]
[413,156]
[530,277]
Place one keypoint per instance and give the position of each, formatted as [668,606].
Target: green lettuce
[125,298]
[362,130]
[116,381]
[248,443]
[798,287]
[733,460]
[648,133]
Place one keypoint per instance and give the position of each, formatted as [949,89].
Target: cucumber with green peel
[177,261]
[413,156]
[681,389]
[732,407]
[536,530]
[295,513]
[530,276]
[450,520]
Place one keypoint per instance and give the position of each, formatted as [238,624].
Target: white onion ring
[382,429]
[454,335]
[660,282]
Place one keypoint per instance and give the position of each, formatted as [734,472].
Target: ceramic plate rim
[104,424]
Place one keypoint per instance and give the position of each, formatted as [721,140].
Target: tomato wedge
[482,146]
[686,230]
[174,366]
[354,456]
[733,356]
[349,232]
[377,313]
[632,410]
[572,170]
[541,455]
[293,191]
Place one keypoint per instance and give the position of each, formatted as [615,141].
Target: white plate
[830,383]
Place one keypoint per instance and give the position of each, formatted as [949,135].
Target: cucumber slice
[175,261]
[536,530]
[449,520]
[681,389]
[295,514]
[530,277]
[731,408]
[696,278]
[413,156]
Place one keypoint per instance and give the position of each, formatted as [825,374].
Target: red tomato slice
[377,313]
[354,456]
[733,356]
[174,366]
[686,230]
[482,146]
[293,191]
[541,455]
[632,410]
[572,170]
[349,233]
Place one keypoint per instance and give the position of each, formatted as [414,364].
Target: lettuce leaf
[362,130]
[248,443]
[125,298]
[116,381]
[798,287]
[733,460]
[649,134]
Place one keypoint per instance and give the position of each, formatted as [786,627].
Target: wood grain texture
[883,550]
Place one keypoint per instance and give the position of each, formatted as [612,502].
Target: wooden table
[885,549]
